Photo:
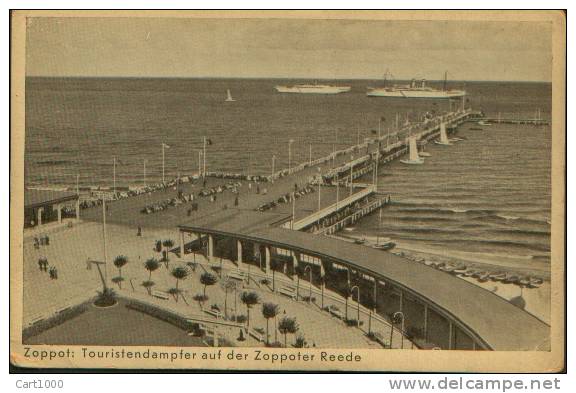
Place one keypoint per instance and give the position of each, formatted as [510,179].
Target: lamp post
[357,301]
[309,268]
[401,314]
[290,142]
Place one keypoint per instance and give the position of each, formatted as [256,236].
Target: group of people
[238,176]
[41,241]
[170,202]
[286,198]
[43,265]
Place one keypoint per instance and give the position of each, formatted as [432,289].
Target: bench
[62,309]
[291,293]
[236,275]
[36,319]
[160,295]
[337,313]
[256,335]
[215,313]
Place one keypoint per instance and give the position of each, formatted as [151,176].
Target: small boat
[349,229]
[414,157]
[424,154]
[524,281]
[384,246]
[511,279]
[497,276]
[229,96]
[535,282]
[476,128]
[443,136]
[460,270]
[469,273]
[359,241]
[455,139]
[483,123]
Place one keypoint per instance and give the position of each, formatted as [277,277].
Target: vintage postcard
[295,190]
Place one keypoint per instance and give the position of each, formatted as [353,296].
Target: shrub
[200,298]
[163,315]
[241,318]
[148,284]
[353,322]
[53,321]
[105,298]
[300,341]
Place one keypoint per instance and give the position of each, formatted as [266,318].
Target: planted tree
[151,265]
[287,326]
[179,273]
[207,279]
[119,262]
[275,266]
[158,246]
[228,285]
[249,299]
[168,244]
[269,310]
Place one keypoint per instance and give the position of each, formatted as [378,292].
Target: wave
[54,162]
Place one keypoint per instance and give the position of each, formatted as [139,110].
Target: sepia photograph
[288,190]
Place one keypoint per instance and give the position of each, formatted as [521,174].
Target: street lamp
[273,167]
[290,142]
[401,314]
[309,268]
[357,301]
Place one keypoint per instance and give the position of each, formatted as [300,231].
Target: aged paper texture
[296,190]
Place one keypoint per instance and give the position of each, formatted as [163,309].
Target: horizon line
[271,77]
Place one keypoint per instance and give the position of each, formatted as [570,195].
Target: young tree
[249,299]
[207,279]
[168,244]
[119,262]
[179,273]
[287,325]
[229,285]
[151,265]
[275,266]
[269,310]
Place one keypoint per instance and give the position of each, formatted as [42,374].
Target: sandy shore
[534,300]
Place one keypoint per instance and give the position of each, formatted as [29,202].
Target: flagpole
[114,175]
[319,190]
[293,210]
[104,235]
[204,158]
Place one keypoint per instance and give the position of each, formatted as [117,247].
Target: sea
[484,199]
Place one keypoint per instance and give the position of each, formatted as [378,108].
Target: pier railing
[333,208]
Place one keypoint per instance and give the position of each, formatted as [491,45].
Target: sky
[285,48]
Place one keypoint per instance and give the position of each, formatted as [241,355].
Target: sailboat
[229,96]
[386,245]
[414,157]
[443,136]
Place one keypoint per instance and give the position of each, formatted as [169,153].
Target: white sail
[413,149]
[229,96]
[443,135]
